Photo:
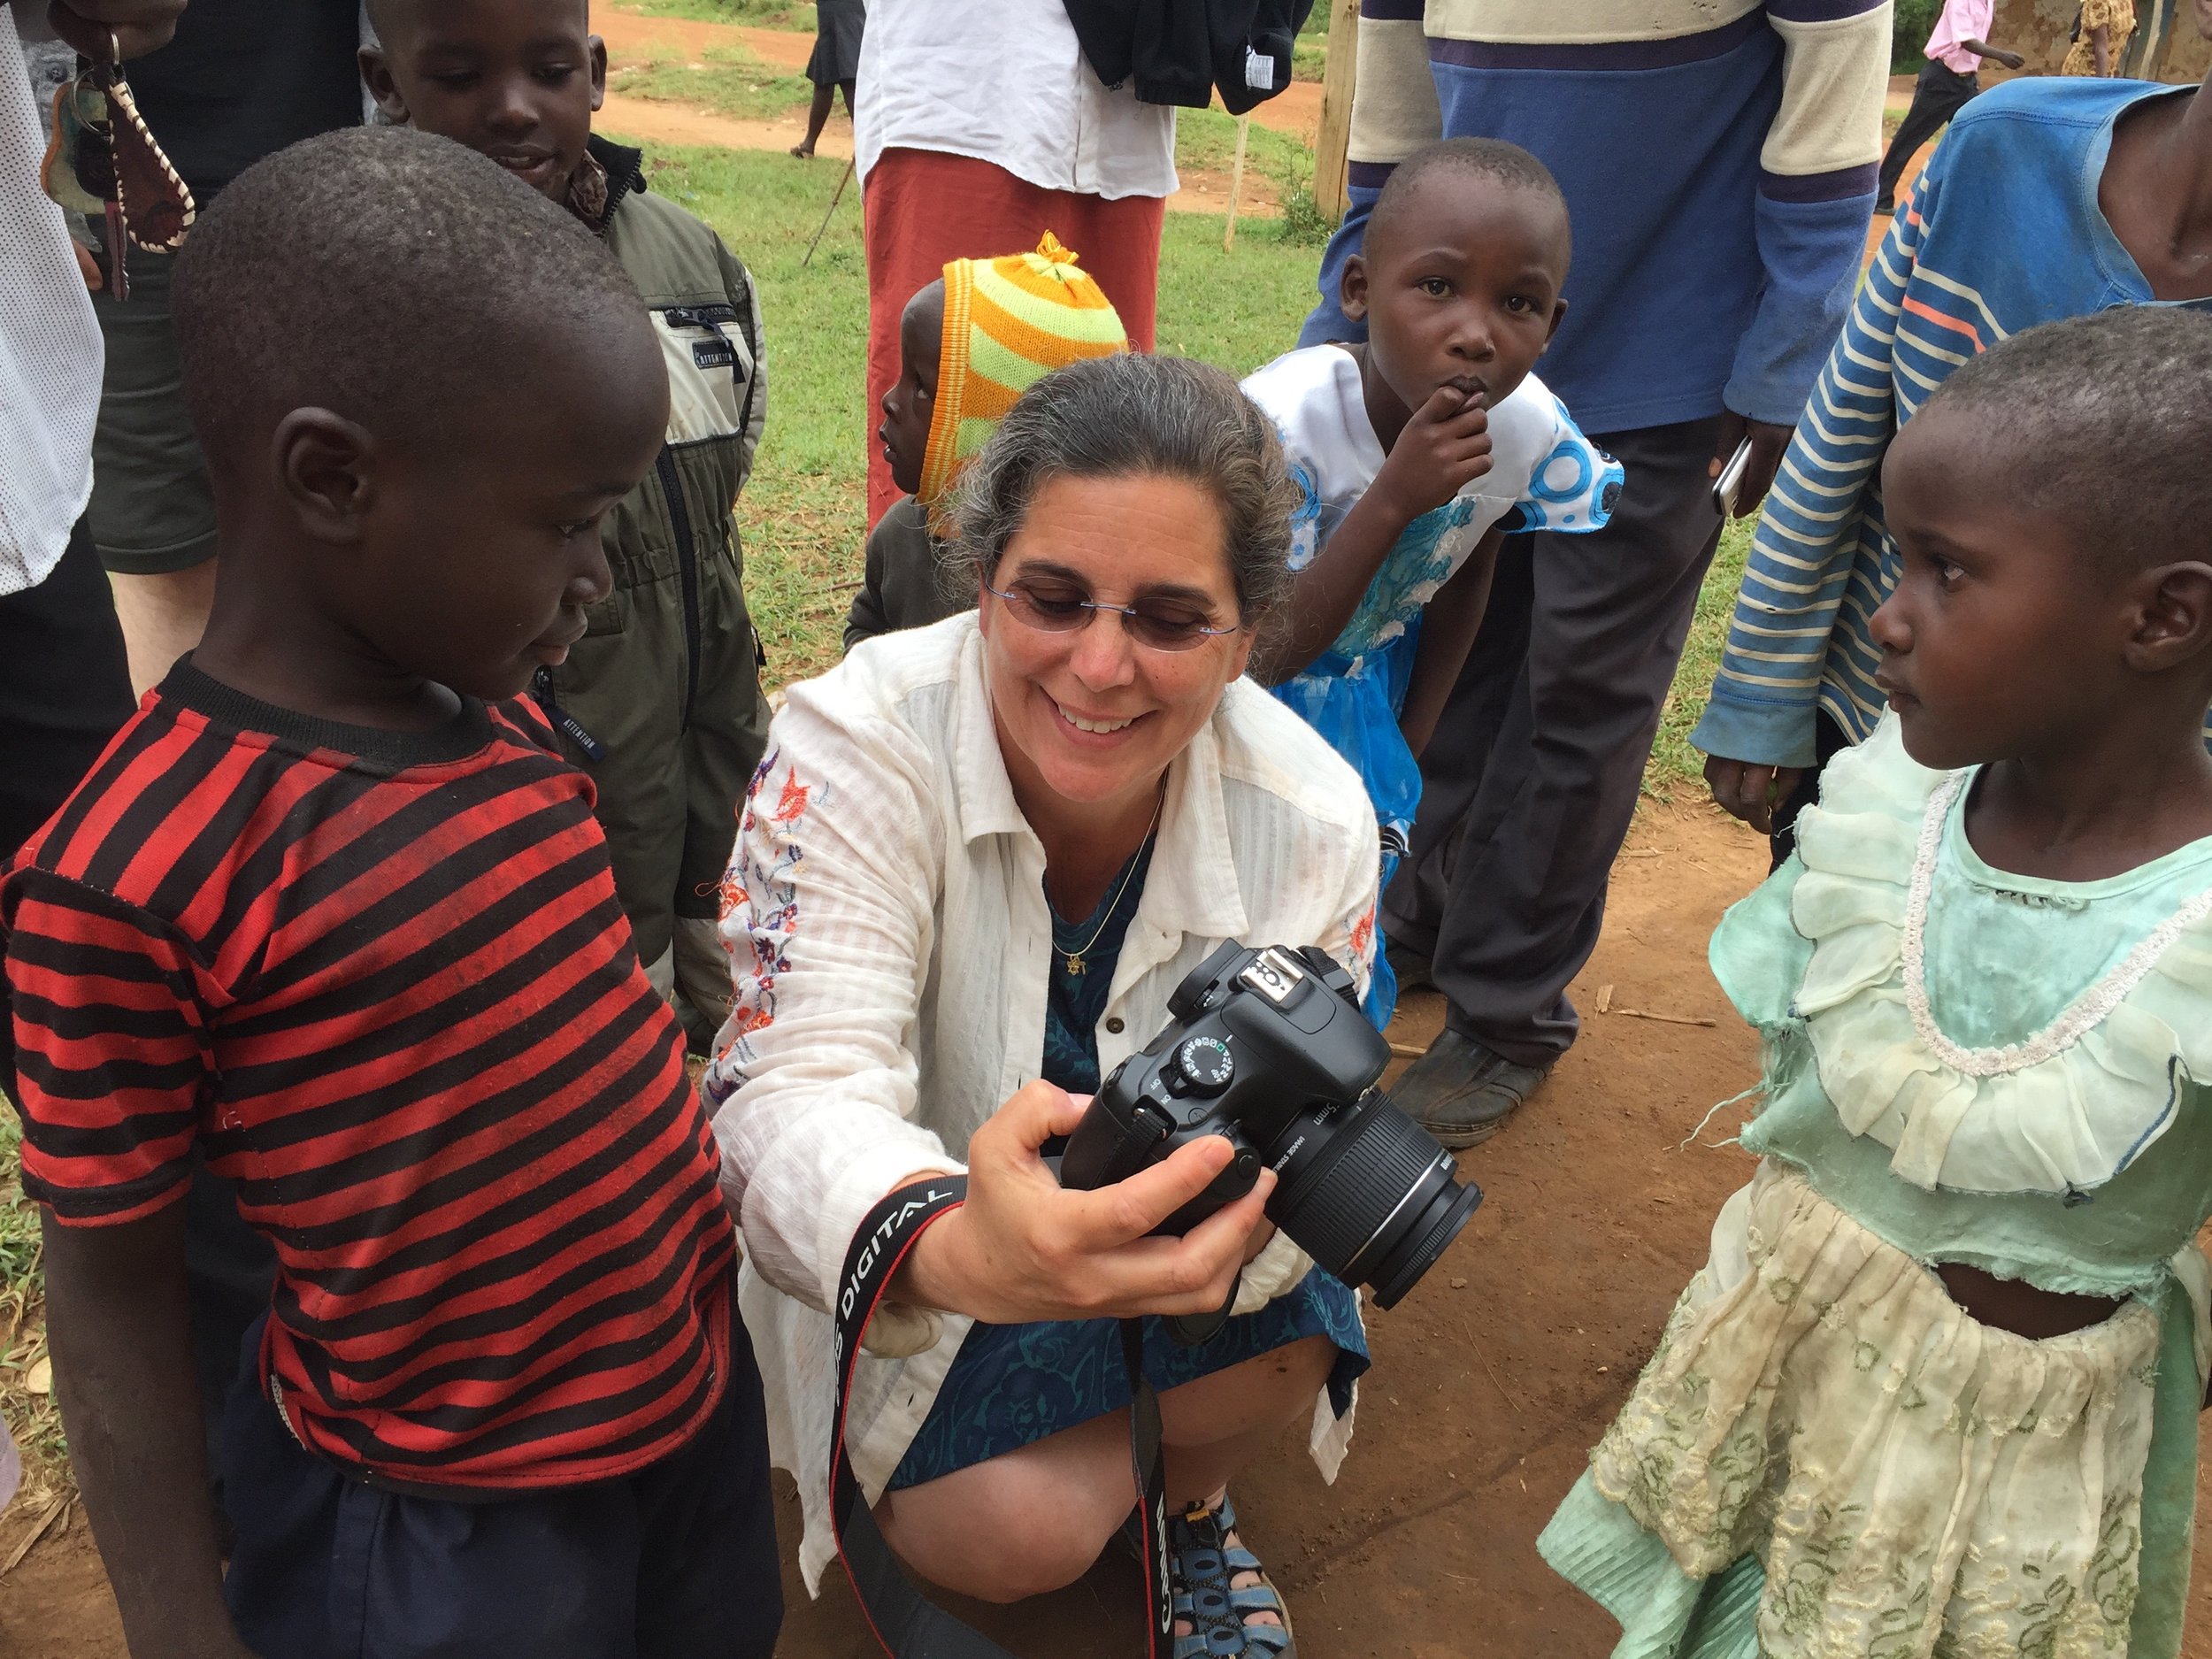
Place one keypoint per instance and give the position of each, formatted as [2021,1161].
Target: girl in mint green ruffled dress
[1935,1391]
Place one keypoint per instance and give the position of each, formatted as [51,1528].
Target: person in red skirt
[980,126]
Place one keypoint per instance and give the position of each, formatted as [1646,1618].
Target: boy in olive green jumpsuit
[660,701]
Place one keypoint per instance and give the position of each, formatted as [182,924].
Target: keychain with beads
[103,163]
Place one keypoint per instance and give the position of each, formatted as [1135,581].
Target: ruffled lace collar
[2062,1110]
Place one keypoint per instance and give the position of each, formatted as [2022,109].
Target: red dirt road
[1491,1381]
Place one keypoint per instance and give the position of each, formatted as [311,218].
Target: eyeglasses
[1054,607]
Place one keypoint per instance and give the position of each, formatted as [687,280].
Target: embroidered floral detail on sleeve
[1364,935]
[760,917]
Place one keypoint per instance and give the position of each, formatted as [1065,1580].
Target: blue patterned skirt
[1011,1385]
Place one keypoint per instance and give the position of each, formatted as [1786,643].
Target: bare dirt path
[1491,1381]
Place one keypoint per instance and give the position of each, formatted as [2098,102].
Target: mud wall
[2167,45]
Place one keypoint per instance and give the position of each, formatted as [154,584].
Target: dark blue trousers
[677,1562]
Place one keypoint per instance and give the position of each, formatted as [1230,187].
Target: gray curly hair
[1128,416]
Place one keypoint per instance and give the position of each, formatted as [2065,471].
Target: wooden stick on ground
[39,1528]
[1666,1020]
[1236,183]
[843,179]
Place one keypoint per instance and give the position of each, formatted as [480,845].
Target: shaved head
[400,281]
[1456,160]
[2103,421]
[393,19]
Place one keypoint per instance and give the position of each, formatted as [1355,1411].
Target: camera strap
[906,1622]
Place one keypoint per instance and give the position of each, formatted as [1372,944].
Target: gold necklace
[1076,965]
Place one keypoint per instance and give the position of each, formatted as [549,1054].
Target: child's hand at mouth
[1444,447]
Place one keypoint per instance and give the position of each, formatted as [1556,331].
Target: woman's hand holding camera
[1024,1248]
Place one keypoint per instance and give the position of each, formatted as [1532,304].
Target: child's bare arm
[1443,448]
[1448,626]
[117,1321]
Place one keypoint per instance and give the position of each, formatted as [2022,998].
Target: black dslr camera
[1269,1048]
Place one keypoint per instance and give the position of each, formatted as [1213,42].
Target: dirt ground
[1491,1381]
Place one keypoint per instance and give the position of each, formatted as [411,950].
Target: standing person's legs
[65,688]
[1521,868]
[1487,714]
[152,514]
[818,117]
[1937,96]
[924,209]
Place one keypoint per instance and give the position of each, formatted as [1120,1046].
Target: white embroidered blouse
[889,937]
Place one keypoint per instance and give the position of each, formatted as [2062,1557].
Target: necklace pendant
[1076,963]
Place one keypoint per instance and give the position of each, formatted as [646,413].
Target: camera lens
[1370,1195]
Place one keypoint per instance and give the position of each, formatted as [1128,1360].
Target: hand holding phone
[1728,486]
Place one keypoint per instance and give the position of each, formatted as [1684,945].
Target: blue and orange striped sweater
[2002,232]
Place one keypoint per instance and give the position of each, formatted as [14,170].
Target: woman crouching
[977,861]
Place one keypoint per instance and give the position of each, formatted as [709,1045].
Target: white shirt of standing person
[1005,81]
[50,354]
[886,916]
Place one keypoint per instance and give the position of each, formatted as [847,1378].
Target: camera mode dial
[1205,1065]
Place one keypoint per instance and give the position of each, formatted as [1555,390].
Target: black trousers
[1939,94]
[65,688]
[1532,778]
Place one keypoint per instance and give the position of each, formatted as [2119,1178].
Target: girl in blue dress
[1416,452]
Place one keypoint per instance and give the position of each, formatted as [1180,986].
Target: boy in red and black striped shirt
[333,910]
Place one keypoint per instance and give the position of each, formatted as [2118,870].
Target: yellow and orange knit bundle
[1009,323]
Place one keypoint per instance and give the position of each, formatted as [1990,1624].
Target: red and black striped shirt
[382,978]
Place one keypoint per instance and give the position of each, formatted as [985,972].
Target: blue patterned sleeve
[1306,531]
[1573,488]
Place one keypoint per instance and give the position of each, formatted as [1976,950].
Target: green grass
[1207,139]
[1673,762]
[1910,25]
[728,80]
[774,14]
[33,1420]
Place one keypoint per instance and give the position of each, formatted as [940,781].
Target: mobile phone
[1728,485]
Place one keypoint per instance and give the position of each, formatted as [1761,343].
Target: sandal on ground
[1203,1566]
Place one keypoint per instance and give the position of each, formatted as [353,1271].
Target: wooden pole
[843,179]
[1331,190]
[2141,59]
[1236,183]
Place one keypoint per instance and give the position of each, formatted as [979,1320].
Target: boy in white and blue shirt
[1416,452]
